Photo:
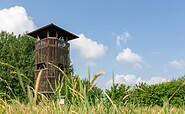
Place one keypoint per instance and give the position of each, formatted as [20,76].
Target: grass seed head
[96,76]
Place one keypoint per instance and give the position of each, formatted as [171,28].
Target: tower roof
[42,32]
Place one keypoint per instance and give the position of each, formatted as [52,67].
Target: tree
[118,93]
[16,64]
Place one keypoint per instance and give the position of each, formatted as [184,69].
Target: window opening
[41,66]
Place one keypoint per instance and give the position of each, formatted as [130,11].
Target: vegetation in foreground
[82,96]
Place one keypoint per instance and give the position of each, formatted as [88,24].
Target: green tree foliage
[16,64]
[118,92]
[172,92]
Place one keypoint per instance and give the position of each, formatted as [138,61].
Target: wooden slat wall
[50,50]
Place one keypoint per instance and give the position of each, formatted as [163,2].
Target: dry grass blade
[60,89]
[111,102]
[96,76]
[91,86]
[76,83]
[50,85]
[6,64]
[37,86]
[173,95]
[74,112]
[125,97]
[21,74]
[57,68]
[29,94]
[84,89]
[76,92]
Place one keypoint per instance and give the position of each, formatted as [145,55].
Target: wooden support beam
[38,37]
[66,39]
[47,33]
[56,34]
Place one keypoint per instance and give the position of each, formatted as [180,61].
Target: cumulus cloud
[122,38]
[132,80]
[127,56]
[88,48]
[177,64]
[16,20]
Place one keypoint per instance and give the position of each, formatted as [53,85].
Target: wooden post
[56,34]
[48,34]
[38,37]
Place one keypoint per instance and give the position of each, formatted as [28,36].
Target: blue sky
[140,41]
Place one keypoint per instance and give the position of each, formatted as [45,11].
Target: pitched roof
[42,32]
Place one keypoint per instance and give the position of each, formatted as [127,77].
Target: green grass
[79,101]
[52,107]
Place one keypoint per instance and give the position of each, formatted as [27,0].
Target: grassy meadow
[51,107]
[79,101]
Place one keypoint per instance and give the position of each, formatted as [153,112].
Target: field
[79,102]
[53,107]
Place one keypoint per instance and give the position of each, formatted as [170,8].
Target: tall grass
[52,107]
[78,100]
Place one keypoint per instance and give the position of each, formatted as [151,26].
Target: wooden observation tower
[51,46]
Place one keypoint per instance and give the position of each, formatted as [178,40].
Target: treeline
[172,92]
[17,72]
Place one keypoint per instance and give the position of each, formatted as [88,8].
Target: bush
[16,64]
[150,95]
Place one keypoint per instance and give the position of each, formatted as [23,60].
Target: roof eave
[33,33]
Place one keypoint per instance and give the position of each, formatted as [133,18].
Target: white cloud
[132,80]
[15,19]
[88,48]
[177,64]
[122,38]
[155,80]
[127,56]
